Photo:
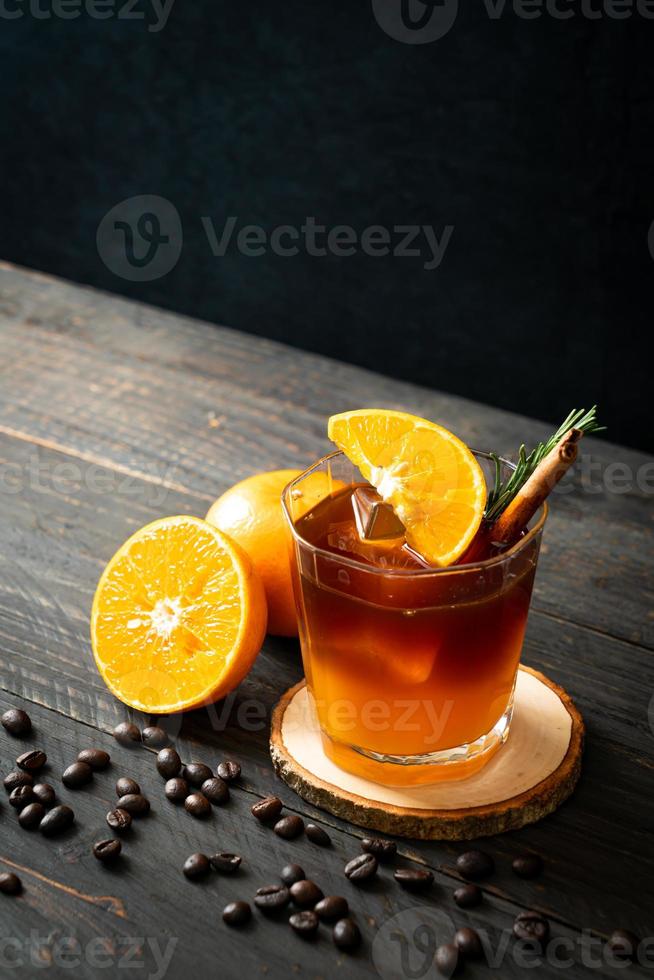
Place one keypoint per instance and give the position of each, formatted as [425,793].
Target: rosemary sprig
[503,493]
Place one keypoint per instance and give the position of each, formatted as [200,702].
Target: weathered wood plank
[54,538]
[145,905]
[157,414]
[198,407]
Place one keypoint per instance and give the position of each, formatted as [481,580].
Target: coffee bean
[304,923]
[346,934]
[169,763]
[45,794]
[446,959]
[32,761]
[468,943]
[291,873]
[532,927]
[468,896]
[176,789]
[384,850]
[305,893]
[17,722]
[237,913]
[119,820]
[361,868]
[414,879]
[197,805]
[270,898]
[289,827]
[229,771]
[195,773]
[31,816]
[155,737]
[197,865]
[77,775]
[57,820]
[215,790]
[127,734]
[15,779]
[21,797]
[331,908]
[623,944]
[317,835]
[10,884]
[107,850]
[135,803]
[97,759]
[475,864]
[225,862]
[268,809]
[528,865]
[126,786]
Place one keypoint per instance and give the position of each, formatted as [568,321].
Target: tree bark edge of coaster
[357,800]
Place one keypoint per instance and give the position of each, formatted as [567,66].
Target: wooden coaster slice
[530,776]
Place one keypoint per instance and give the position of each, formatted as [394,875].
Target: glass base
[459,762]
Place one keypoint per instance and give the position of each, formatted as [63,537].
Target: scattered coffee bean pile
[529,927]
[34,802]
[312,906]
[198,788]
[194,785]
[467,945]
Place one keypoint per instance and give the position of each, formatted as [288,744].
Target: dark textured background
[533,138]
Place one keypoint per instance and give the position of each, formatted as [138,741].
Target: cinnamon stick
[519,512]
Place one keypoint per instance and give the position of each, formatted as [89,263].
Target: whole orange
[251,513]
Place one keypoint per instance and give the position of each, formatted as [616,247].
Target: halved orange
[178,617]
[430,478]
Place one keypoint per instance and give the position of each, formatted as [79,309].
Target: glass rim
[514,550]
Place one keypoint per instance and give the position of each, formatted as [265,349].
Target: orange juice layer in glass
[411,669]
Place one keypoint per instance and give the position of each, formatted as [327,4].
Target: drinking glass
[411,671]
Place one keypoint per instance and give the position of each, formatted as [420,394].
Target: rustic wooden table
[112,414]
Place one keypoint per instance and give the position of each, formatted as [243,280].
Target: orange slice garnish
[178,617]
[429,477]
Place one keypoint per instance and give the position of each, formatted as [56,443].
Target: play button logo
[415,21]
